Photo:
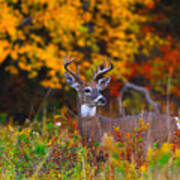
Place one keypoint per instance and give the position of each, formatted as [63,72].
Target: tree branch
[142,89]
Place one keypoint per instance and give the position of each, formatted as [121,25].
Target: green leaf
[120,144]
[96,144]
[50,125]
[40,149]
[155,145]
[26,157]
[82,28]
[95,48]
[116,156]
[163,160]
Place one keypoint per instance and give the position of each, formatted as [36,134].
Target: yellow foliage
[166,148]
[143,169]
[150,153]
[57,28]
[11,69]
[109,144]
[177,153]
[131,171]
[5,48]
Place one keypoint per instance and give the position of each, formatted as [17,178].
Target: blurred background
[141,37]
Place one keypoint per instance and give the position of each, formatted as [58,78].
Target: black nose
[102,101]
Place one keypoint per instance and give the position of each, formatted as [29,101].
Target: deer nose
[101,101]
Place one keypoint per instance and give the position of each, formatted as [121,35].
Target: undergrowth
[53,150]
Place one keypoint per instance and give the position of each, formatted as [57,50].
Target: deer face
[93,96]
[89,93]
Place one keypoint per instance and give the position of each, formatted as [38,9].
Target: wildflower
[177,153]
[141,122]
[140,178]
[59,175]
[150,153]
[131,171]
[50,142]
[10,128]
[35,133]
[166,148]
[176,118]
[117,129]
[107,141]
[177,122]
[109,144]
[74,126]
[143,169]
[58,116]
[58,124]
[115,162]
[71,142]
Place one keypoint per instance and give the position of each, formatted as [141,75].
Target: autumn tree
[35,35]
[161,67]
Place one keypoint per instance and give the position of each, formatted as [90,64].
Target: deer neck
[87,110]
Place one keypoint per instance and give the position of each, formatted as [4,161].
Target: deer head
[89,93]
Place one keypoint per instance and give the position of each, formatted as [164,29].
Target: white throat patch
[87,111]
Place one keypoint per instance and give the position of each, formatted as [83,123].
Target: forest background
[141,37]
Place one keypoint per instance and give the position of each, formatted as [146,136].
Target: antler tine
[101,71]
[66,63]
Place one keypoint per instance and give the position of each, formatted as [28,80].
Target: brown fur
[161,127]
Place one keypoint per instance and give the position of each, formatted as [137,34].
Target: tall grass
[53,150]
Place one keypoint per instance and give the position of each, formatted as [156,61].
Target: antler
[101,70]
[66,63]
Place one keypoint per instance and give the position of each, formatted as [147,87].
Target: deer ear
[72,81]
[103,83]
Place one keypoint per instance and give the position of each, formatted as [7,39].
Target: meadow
[52,149]
[39,138]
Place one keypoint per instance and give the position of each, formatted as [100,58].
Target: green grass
[45,150]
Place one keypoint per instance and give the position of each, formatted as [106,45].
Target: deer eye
[87,90]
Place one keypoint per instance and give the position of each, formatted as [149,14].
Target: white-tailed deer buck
[92,126]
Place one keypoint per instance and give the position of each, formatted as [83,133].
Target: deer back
[161,126]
